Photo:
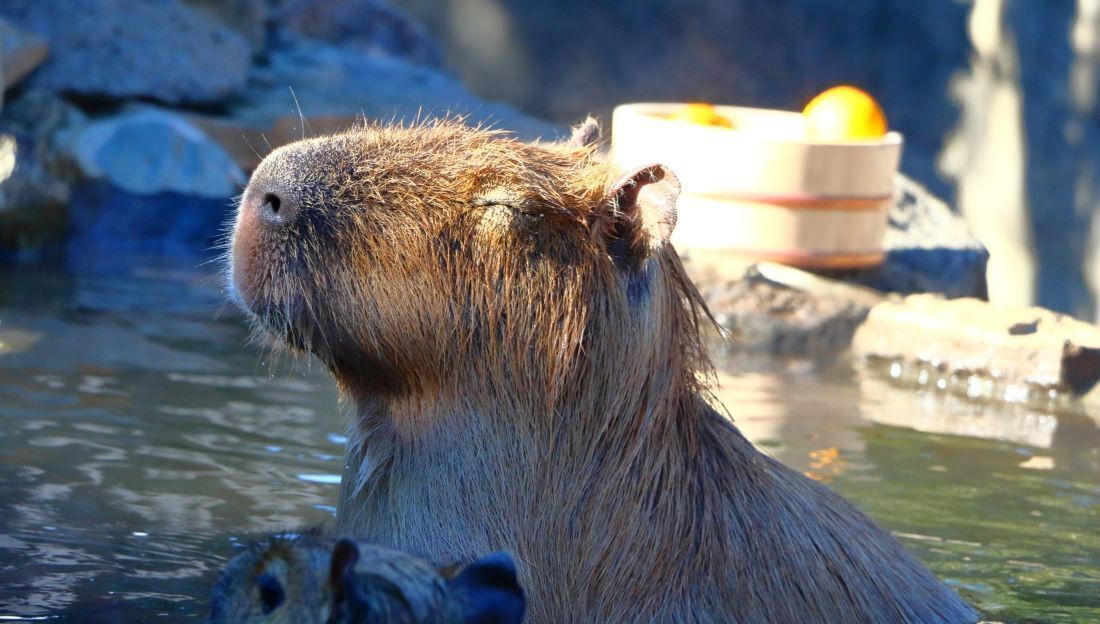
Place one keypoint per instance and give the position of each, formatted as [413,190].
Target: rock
[334,88]
[151,180]
[765,315]
[929,248]
[20,53]
[33,201]
[248,17]
[369,25]
[974,341]
[146,151]
[34,197]
[133,48]
[105,218]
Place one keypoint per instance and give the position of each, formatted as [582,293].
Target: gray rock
[764,315]
[133,48]
[971,344]
[332,88]
[147,150]
[33,201]
[369,25]
[20,53]
[248,17]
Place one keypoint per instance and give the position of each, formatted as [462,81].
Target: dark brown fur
[523,349]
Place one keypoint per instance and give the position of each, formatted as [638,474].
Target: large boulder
[133,48]
[150,179]
[147,150]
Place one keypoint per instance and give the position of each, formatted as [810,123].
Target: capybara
[309,578]
[523,350]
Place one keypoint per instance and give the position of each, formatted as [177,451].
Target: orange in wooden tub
[810,189]
[844,113]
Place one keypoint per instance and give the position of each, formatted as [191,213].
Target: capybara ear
[345,554]
[586,134]
[641,209]
[346,601]
[489,591]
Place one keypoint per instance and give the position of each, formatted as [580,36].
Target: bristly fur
[528,377]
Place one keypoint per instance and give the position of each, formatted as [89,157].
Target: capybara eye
[271,592]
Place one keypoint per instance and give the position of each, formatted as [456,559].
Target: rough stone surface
[133,48]
[1032,347]
[33,201]
[36,178]
[929,248]
[20,53]
[105,218]
[369,25]
[333,88]
[248,17]
[763,315]
[146,151]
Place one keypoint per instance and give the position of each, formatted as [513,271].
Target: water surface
[142,440]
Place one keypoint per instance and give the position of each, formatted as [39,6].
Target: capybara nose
[272,206]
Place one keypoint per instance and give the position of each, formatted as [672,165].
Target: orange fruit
[702,114]
[844,113]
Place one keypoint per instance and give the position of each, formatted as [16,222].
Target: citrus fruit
[844,113]
[702,114]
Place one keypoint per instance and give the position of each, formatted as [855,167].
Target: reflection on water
[141,441]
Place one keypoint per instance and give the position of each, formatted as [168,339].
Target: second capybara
[314,579]
[524,353]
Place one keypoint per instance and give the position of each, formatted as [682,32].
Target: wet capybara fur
[312,579]
[523,350]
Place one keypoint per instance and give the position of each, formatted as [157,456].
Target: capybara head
[310,579]
[436,256]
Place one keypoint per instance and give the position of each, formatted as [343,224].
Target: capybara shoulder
[309,578]
[525,355]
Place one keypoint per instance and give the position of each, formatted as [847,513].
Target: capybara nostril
[277,209]
[272,203]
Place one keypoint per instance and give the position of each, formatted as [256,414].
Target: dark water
[141,440]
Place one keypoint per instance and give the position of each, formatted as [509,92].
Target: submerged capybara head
[309,579]
[424,257]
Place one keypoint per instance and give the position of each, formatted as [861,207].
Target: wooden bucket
[762,189]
